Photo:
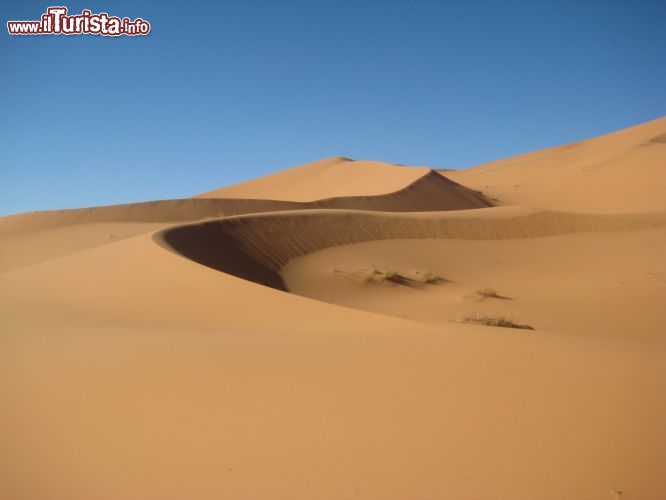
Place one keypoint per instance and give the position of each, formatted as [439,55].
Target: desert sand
[318,333]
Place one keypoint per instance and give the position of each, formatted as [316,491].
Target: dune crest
[623,171]
[428,192]
[328,178]
[256,247]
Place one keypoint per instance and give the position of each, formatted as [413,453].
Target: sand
[618,172]
[303,335]
[328,178]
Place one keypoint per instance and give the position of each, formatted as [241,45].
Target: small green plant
[490,319]
[220,214]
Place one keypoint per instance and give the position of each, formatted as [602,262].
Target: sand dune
[429,191]
[328,178]
[619,172]
[269,241]
[149,212]
[31,247]
[582,268]
[20,233]
[582,283]
[141,355]
[188,393]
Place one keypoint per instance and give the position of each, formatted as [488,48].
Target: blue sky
[220,92]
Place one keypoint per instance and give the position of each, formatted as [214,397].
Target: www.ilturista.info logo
[57,22]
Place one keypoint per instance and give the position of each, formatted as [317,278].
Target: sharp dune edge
[141,357]
[428,192]
[252,245]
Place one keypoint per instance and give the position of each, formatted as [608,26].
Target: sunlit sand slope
[328,178]
[142,357]
[620,172]
[130,372]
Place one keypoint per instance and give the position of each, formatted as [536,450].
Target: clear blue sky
[220,92]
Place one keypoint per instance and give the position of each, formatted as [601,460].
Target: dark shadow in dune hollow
[212,245]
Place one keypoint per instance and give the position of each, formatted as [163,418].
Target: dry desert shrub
[389,275]
[414,279]
[487,318]
[486,292]
[392,276]
[430,278]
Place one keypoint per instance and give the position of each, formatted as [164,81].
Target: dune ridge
[256,247]
[430,191]
[328,178]
[623,171]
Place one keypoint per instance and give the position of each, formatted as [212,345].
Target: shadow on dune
[211,245]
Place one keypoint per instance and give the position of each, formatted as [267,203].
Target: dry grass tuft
[487,292]
[430,278]
[389,275]
[490,319]
[392,276]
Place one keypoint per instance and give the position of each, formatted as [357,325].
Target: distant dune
[322,332]
[328,178]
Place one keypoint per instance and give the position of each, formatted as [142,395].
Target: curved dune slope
[623,171]
[159,378]
[256,247]
[602,283]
